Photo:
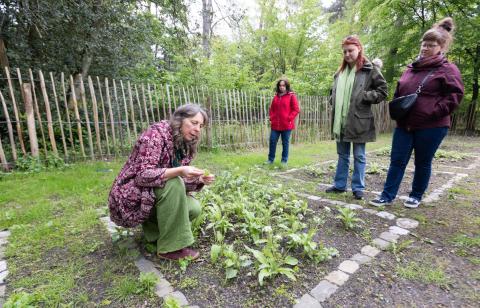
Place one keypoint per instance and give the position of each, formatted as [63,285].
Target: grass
[424,272]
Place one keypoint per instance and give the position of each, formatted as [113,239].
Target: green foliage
[147,283]
[374,168]
[183,263]
[424,272]
[450,155]
[171,302]
[23,300]
[348,218]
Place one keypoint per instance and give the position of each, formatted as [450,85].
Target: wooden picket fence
[44,116]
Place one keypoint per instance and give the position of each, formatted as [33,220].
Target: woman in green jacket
[357,85]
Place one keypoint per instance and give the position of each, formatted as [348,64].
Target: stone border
[337,278]
[163,288]
[3,265]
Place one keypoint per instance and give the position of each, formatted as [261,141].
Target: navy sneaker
[334,190]
[411,203]
[358,195]
[379,202]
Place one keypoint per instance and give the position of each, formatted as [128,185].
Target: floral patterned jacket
[132,197]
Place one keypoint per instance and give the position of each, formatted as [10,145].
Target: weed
[189,283]
[374,168]
[348,218]
[184,262]
[171,302]
[147,283]
[424,272]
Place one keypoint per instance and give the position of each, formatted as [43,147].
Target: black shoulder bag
[400,106]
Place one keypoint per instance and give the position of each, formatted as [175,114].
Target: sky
[222,28]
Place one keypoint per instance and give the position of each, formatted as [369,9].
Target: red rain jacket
[283,111]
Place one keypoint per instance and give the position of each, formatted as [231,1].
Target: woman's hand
[207,179]
[191,172]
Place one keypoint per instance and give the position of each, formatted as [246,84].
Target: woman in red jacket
[283,110]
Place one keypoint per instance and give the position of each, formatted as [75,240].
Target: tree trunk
[471,116]
[3,54]
[207,16]
[86,62]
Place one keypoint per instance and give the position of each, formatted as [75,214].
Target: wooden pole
[132,111]
[59,116]
[95,116]
[10,128]
[119,116]
[151,103]
[87,117]
[139,107]
[18,124]
[104,115]
[51,134]
[3,159]
[144,100]
[32,132]
[77,117]
[126,112]
[37,112]
[67,111]
[169,103]
[110,113]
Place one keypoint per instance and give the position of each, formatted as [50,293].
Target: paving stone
[2,301]
[390,237]
[407,223]
[370,211]
[4,234]
[163,288]
[382,244]
[314,198]
[180,297]
[354,206]
[3,275]
[2,292]
[307,301]
[2,253]
[323,290]
[3,241]
[3,266]
[348,266]
[369,251]
[337,277]
[361,258]
[386,215]
[398,230]
[147,266]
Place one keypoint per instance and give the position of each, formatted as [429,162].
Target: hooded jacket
[440,96]
[283,111]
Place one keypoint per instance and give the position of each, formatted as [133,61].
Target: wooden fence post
[10,128]
[95,115]
[60,121]
[77,116]
[15,112]
[3,159]
[51,134]
[32,131]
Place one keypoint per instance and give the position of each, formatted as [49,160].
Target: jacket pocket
[362,122]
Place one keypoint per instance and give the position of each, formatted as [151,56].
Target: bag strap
[419,89]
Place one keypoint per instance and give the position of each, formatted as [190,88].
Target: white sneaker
[411,203]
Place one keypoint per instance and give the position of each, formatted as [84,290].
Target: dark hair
[353,40]
[441,33]
[287,85]
[176,120]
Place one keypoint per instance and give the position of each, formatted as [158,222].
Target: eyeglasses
[429,46]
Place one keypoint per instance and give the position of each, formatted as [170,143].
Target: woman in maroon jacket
[283,110]
[427,123]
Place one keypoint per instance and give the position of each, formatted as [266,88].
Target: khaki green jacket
[369,88]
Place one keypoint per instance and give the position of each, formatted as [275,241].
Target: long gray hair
[176,120]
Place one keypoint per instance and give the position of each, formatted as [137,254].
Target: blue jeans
[425,142]
[359,162]
[274,135]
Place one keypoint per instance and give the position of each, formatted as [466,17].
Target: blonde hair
[441,32]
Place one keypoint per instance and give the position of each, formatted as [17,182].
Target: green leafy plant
[171,302]
[348,218]
[29,163]
[23,300]
[374,168]
[147,283]
[183,263]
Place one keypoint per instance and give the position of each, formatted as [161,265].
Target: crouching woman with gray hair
[153,187]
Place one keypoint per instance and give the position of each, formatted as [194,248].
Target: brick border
[3,265]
